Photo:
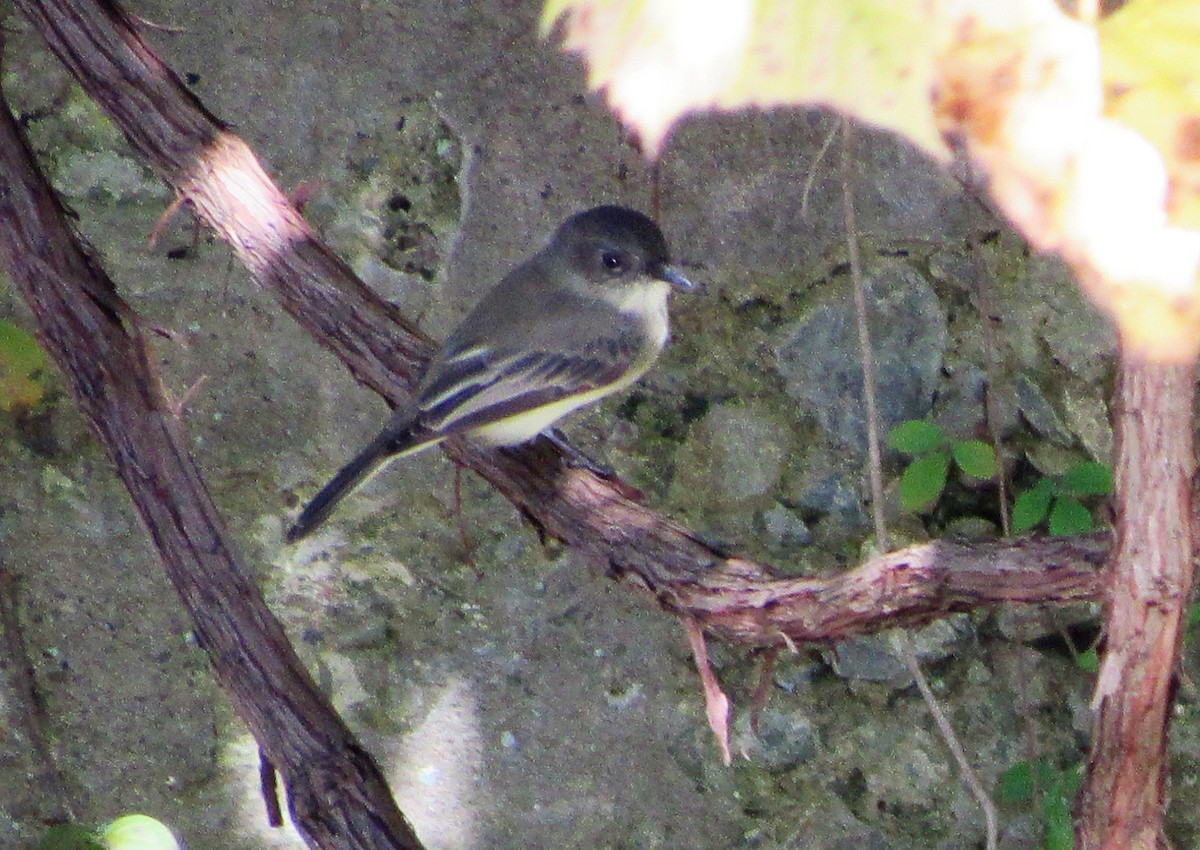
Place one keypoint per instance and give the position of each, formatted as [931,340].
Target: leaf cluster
[932,451]
[1053,502]
[1025,782]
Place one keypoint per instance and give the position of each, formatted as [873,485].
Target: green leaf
[916,437]
[1087,478]
[1193,614]
[1016,784]
[1072,778]
[975,457]
[69,836]
[923,481]
[1089,661]
[1031,507]
[22,362]
[138,832]
[1058,831]
[1069,516]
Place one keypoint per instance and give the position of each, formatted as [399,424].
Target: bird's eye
[614,261]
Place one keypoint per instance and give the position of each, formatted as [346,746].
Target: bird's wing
[480,385]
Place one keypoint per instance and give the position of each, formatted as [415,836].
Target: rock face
[519,699]
[819,356]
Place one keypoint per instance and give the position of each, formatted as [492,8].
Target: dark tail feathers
[357,472]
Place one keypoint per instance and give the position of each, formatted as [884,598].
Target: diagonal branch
[218,175]
[335,790]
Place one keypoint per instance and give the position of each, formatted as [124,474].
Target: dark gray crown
[619,224]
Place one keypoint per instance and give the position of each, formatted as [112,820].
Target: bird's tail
[392,442]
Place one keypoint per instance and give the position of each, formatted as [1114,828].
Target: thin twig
[985,283]
[811,177]
[960,756]
[900,638]
[993,427]
[869,372]
[763,689]
[716,704]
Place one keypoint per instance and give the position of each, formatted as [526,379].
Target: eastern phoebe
[582,318]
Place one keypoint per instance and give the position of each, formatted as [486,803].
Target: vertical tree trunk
[1124,796]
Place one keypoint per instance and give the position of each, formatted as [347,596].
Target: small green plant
[1193,614]
[1021,783]
[128,832]
[22,368]
[1059,501]
[69,836]
[932,451]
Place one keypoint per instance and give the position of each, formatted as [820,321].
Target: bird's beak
[672,276]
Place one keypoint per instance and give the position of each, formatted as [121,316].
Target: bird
[583,318]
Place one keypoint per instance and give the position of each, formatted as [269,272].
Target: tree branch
[218,176]
[336,792]
[1122,801]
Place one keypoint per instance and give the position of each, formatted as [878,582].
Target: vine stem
[900,638]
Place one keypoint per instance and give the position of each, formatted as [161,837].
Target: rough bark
[220,180]
[336,792]
[1122,802]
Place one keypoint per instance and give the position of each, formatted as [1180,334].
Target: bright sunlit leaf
[138,832]
[1023,86]
[1152,83]
[660,59]
[1018,84]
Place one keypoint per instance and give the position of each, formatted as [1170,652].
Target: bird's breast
[648,302]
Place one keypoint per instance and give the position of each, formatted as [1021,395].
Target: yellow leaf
[1094,152]
[660,59]
[1151,54]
